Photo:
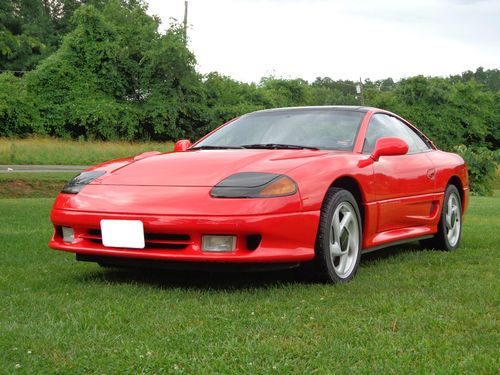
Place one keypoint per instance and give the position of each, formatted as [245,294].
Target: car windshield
[330,129]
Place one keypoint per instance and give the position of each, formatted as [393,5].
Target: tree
[25,33]
[80,86]
[31,30]
[329,92]
[286,92]
[227,99]
[116,76]
[173,96]
[18,113]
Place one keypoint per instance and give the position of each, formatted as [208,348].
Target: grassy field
[407,311]
[33,185]
[57,151]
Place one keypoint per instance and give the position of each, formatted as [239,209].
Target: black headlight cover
[78,182]
[244,185]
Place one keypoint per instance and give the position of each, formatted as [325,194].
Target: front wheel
[450,224]
[338,243]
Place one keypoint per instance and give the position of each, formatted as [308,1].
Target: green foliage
[31,30]
[115,76]
[286,92]
[78,86]
[22,41]
[227,99]
[490,78]
[102,70]
[82,88]
[18,115]
[482,165]
[172,88]
[449,112]
[329,92]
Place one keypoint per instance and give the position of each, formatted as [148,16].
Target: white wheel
[338,243]
[453,219]
[344,239]
[450,223]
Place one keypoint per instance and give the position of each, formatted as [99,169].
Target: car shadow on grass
[390,252]
[191,279]
[226,281]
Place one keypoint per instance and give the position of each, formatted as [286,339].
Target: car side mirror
[182,145]
[388,146]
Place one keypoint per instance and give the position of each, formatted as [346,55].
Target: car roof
[322,107]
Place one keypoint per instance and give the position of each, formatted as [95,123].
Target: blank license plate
[123,233]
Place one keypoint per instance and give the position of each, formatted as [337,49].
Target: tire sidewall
[451,189]
[338,198]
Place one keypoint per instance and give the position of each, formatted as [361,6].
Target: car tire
[338,242]
[450,223]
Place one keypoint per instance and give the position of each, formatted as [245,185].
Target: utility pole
[185,20]
[361,91]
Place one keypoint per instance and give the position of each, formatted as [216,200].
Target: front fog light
[218,243]
[68,234]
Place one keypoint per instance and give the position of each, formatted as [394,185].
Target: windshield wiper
[279,146]
[215,147]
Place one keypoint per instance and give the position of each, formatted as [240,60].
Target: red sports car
[307,187]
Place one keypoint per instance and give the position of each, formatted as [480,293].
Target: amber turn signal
[281,186]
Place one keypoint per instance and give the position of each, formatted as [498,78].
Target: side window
[378,127]
[382,125]
[420,143]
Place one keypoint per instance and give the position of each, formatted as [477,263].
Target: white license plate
[123,233]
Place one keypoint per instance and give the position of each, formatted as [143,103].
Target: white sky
[341,39]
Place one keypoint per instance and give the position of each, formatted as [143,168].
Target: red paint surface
[170,193]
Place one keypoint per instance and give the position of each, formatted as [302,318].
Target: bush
[111,74]
[18,112]
[482,165]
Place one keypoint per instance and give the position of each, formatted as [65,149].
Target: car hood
[202,167]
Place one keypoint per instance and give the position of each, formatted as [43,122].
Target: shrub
[482,165]
[17,108]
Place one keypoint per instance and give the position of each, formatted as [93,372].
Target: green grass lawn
[33,185]
[58,151]
[407,311]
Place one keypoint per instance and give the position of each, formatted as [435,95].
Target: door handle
[431,173]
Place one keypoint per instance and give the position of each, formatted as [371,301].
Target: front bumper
[269,238]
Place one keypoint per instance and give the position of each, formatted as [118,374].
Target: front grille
[152,240]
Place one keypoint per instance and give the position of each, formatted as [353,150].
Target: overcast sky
[341,39]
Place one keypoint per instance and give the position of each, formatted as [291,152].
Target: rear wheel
[338,243]
[450,224]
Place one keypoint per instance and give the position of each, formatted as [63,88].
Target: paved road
[41,168]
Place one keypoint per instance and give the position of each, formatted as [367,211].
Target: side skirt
[395,243]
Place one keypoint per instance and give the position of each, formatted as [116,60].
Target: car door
[403,184]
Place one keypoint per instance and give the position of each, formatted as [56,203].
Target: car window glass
[420,144]
[320,128]
[382,125]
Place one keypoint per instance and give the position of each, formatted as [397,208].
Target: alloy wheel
[344,239]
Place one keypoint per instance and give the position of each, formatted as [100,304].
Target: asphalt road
[41,168]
